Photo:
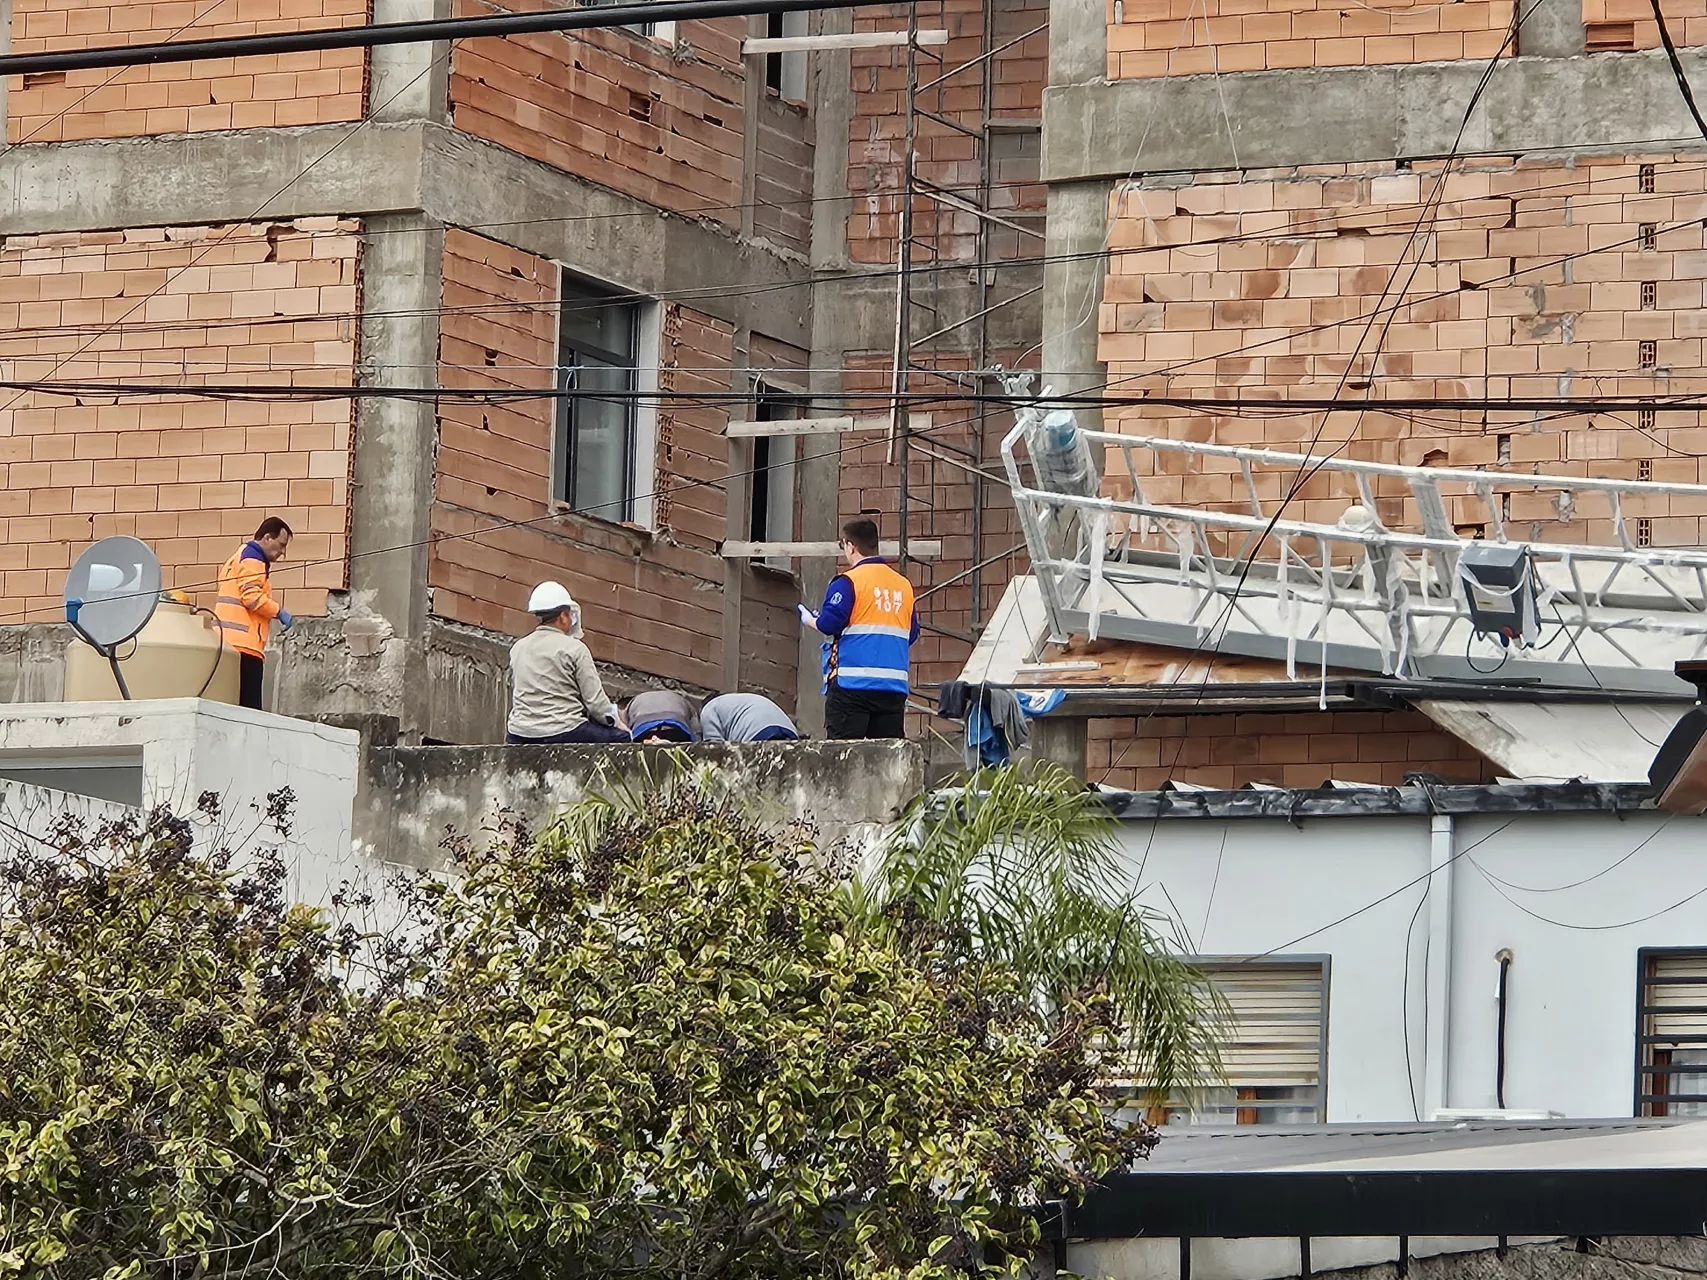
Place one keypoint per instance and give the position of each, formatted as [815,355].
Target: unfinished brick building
[647,211]
[1279,201]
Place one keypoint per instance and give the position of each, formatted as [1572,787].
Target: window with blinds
[1273,1041]
[1671,1033]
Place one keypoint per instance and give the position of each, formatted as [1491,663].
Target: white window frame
[648,339]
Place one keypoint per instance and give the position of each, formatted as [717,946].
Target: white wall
[189,747]
[1343,888]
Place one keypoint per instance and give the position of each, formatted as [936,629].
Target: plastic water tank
[174,656]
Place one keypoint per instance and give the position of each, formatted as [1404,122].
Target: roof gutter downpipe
[1438,1005]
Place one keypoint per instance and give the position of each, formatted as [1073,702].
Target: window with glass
[1273,1040]
[598,358]
[1671,1032]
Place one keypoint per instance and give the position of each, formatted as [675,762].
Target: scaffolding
[1384,585]
[946,239]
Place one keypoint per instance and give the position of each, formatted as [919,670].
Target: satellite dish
[110,595]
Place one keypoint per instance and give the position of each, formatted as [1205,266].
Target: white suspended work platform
[1374,587]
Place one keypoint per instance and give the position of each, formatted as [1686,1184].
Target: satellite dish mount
[110,594]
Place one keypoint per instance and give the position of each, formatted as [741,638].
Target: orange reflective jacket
[245,604]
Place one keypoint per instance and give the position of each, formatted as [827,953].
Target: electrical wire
[1257,543]
[1594,928]
[1577,884]
[1677,69]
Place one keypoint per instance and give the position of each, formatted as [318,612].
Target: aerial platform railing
[1249,566]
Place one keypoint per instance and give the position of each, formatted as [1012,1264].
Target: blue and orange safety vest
[245,606]
[870,651]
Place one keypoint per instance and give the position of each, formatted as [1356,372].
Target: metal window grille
[1647,354]
[1671,1032]
[1645,419]
[1650,238]
[1645,178]
[1650,295]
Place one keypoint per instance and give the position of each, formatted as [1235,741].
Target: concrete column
[370,655]
[1072,291]
[816,474]
[1077,215]
[1552,29]
[1061,740]
[409,81]
[737,498]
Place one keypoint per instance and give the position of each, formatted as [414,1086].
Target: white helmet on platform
[551,598]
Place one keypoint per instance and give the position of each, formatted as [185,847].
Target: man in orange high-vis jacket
[869,616]
[245,606]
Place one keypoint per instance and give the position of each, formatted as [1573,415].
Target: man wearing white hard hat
[555,691]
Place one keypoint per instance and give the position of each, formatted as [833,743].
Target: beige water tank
[174,656]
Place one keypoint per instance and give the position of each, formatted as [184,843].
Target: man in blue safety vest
[868,614]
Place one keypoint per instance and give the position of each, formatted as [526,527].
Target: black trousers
[587,731]
[249,672]
[864,713]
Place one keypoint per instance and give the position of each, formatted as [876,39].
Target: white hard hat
[552,597]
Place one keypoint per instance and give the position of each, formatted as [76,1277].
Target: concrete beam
[341,169]
[406,167]
[1604,104]
[615,238]
[1551,29]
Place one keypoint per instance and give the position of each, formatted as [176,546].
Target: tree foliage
[1022,864]
[651,1041]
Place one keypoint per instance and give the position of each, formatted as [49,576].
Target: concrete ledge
[210,177]
[410,796]
[1607,103]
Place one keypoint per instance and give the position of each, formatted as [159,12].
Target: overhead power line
[1207,404]
[382,33]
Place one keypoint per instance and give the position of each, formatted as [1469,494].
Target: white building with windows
[1411,954]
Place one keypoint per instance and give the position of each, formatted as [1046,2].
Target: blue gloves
[285,620]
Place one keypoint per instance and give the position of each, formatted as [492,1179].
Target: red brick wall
[1278,308]
[191,477]
[651,602]
[1629,24]
[1194,37]
[941,491]
[1300,750]
[195,97]
[612,107]
[878,131]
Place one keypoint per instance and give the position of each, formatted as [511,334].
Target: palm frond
[1025,862]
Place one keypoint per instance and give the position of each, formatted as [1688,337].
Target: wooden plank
[820,426]
[841,40]
[923,548]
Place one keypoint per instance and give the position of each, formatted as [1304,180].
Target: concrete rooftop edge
[1359,801]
